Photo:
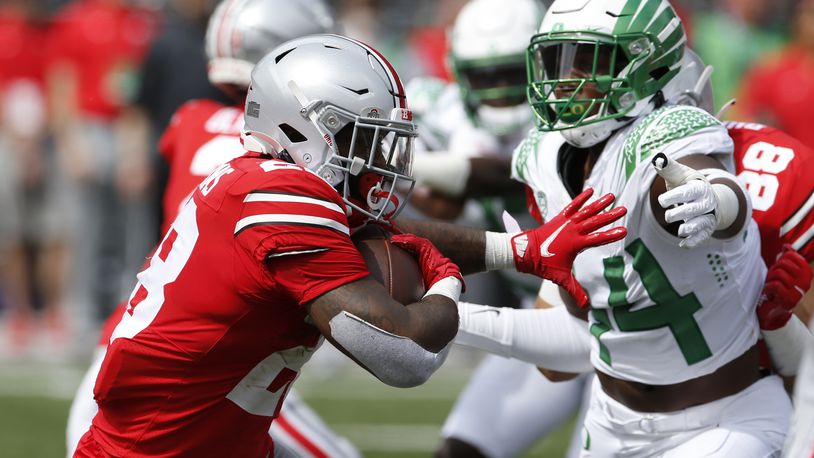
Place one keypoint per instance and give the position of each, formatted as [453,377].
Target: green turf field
[381,421]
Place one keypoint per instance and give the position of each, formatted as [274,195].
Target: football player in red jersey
[776,170]
[204,134]
[259,266]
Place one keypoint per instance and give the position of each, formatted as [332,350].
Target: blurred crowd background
[87,87]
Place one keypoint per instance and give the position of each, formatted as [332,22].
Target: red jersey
[105,43]
[202,135]
[215,331]
[777,172]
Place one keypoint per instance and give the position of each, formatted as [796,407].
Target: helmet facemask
[375,156]
[360,146]
[494,92]
[584,78]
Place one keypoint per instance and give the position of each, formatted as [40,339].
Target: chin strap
[377,199]
[381,200]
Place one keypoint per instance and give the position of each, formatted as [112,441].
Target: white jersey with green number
[660,314]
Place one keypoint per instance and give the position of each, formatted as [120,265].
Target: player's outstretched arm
[464,245]
[401,344]
[548,338]
[695,199]
[547,251]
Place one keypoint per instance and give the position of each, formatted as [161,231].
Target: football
[393,267]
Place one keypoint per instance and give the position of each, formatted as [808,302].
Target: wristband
[499,254]
[448,287]
[728,207]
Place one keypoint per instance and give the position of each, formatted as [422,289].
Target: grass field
[381,421]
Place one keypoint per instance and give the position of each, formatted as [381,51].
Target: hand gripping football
[393,267]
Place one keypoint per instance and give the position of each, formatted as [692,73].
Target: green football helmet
[595,65]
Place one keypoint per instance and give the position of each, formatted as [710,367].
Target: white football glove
[695,201]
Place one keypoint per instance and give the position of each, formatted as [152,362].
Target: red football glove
[549,250]
[787,282]
[434,265]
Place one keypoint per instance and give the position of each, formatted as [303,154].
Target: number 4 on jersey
[669,309]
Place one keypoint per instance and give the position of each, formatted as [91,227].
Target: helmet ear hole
[293,134]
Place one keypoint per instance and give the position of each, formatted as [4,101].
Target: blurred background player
[203,135]
[34,229]
[778,88]
[800,441]
[468,129]
[97,47]
[174,71]
[740,21]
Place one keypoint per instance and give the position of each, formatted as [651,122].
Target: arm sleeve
[549,338]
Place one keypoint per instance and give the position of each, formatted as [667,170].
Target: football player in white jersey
[471,126]
[672,307]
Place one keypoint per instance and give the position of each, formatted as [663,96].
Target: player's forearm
[401,346]
[787,344]
[432,322]
[466,247]
[549,338]
[733,203]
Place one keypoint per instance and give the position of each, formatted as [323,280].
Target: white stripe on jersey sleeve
[803,239]
[798,216]
[291,198]
[279,218]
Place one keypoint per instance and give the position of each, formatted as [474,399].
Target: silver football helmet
[241,32]
[336,107]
